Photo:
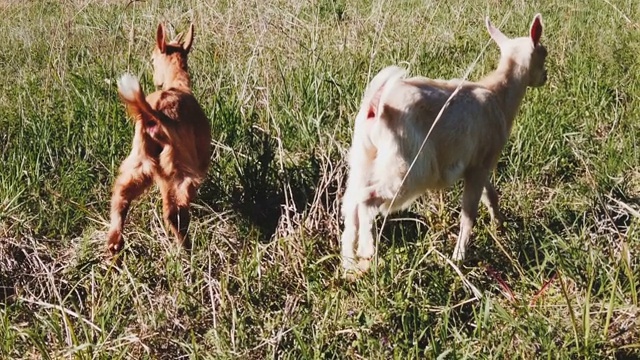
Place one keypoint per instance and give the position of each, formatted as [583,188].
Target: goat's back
[470,133]
[189,124]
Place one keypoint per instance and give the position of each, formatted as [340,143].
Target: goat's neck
[177,78]
[509,83]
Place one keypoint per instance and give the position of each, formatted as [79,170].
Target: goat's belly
[400,203]
[411,191]
[438,177]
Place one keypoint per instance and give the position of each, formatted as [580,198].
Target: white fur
[128,87]
[465,142]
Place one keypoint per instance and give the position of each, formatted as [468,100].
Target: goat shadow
[256,185]
[402,228]
[407,227]
[527,240]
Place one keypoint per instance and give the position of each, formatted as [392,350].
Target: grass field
[281,82]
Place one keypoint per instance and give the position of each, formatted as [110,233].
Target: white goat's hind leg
[377,196]
[366,246]
[348,239]
[473,186]
[359,163]
[490,200]
[366,215]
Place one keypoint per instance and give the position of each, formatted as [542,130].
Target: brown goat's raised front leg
[130,184]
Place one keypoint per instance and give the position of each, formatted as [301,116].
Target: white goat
[390,129]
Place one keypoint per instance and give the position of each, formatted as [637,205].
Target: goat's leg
[374,198]
[490,200]
[360,164]
[176,199]
[473,186]
[366,246]
[130,184]
[351,215]
[349,236]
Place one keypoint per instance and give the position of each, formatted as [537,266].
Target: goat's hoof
[364,264]
[185,244]
[115,252]
[115,248]
[115,243]
[353,269]
[458,253]
[348,263]
[457,256]
[352,275]
[358,270]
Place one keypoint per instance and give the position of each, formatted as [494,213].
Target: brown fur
[171,143]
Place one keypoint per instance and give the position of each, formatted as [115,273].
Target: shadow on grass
[12,259]
[261,183]
[23,263]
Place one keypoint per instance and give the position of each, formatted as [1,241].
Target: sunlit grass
[281,82]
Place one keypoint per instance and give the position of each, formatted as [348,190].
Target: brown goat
[171,143]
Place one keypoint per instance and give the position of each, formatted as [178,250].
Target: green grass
[281,82]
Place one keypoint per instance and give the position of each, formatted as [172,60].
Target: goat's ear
[496,34]
[188,39]
[536,29]
[160,39]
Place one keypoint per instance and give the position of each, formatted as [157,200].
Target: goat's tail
[378,88]
[137,105]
